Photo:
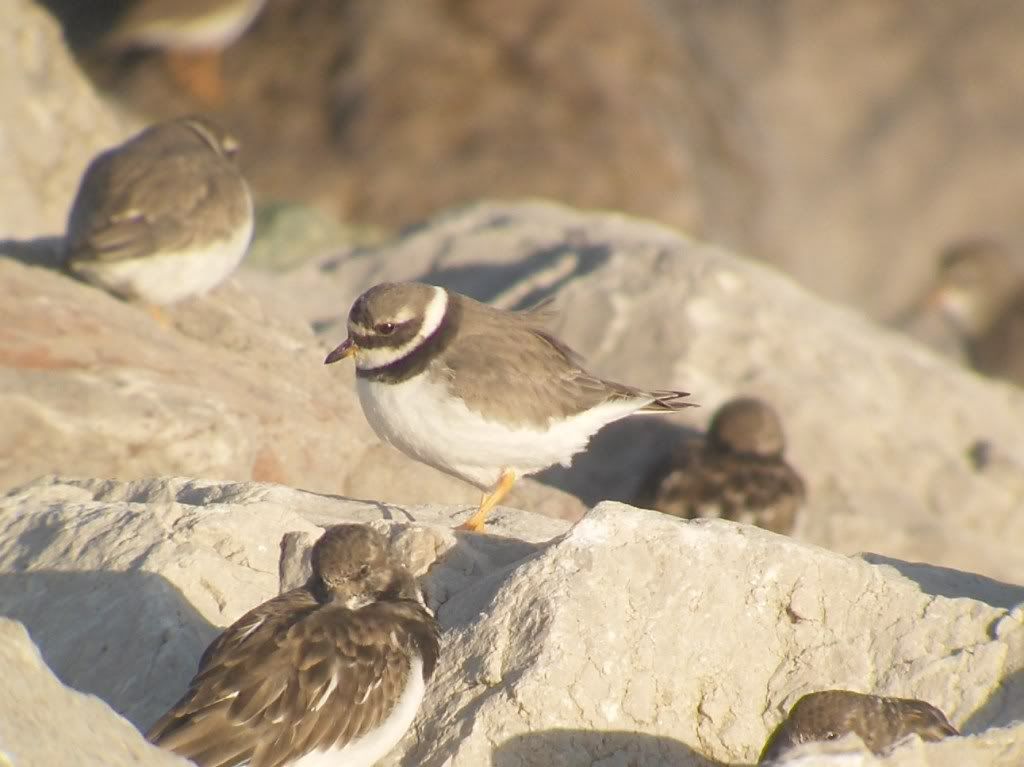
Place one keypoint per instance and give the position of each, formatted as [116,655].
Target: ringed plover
[165,216]
[480,393]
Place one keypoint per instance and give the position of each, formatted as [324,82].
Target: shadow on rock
[954,584]
[619,459]
[1003,707]
[47,252]
[130,638]
[569,748]
[540,275]
[85,23]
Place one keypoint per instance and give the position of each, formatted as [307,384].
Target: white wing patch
[370,689]
[331,687]
[249,630]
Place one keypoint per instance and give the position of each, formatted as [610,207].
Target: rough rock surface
[633,638]
[229,389]
[44,724]
[884,432]
[53,123]
[882,429]
[153,569]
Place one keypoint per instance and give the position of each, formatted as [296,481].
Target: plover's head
[747,426]
[879,722]
[214,135]
[974,281]
[390,321]
[352,564]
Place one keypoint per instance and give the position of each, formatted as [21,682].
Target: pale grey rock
[632,638]
[286,234]
[229,388]
[94,387]
[295,565]
[709,632]
[880,428]
[53,123]
[235,388]
[44,724]
[124,584]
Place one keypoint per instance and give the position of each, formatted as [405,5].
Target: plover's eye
[364,571]
[385,328]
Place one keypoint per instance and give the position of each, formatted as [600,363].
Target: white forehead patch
[404,315]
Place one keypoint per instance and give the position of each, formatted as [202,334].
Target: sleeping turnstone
[162,217]
[329,673]
[483,394]
[738,472]
[879,722]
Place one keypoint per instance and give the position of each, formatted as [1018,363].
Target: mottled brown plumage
[738,472]
[313,669]
[879,722]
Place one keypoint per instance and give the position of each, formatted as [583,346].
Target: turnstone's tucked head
[352,566]
[480,393]
[747,426]
[879,722]
[975,281]
[329,673]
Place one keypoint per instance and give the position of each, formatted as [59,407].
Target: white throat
[433,316]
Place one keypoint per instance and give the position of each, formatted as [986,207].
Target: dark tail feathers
[667,402]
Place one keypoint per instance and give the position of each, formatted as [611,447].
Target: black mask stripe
[416,361]
[403,333]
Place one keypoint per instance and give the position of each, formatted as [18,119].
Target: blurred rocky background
[870,150]
[848,143]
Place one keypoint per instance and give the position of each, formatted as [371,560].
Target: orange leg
[160,316]
[475,524]
[199,73]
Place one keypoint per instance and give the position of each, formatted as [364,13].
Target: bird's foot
[472,525]
[476,523]
[160,316]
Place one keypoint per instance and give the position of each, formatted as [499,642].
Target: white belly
[217,28]
[373,746]
[166,278]
[425,422]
